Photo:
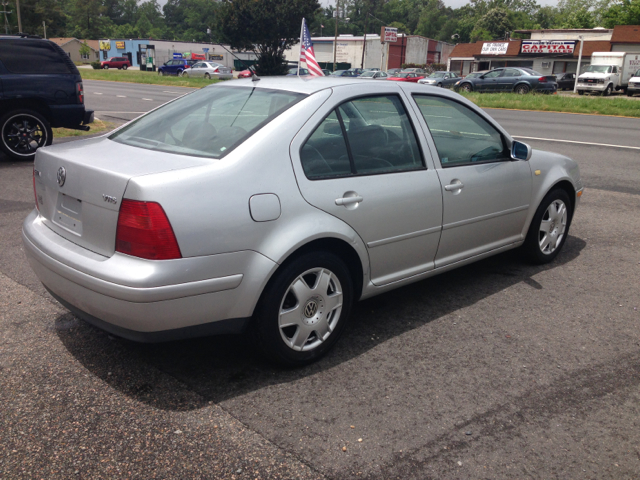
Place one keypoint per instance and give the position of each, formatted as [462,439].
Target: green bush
[96,65]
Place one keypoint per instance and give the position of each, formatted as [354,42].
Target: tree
[625,13]
[496,22]
[267,27]
[143,26]
[84,49]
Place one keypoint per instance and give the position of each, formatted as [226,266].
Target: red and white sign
[548,47]
[389,34]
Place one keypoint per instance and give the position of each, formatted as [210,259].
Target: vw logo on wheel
[62,176]
[310,308]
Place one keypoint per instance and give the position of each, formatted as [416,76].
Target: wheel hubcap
[310,309]
[553,227]
[23,135]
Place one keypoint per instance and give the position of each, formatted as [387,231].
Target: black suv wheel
[22,132]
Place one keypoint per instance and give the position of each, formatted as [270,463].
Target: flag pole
[300,53]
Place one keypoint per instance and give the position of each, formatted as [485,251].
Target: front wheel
[304,309]
[466,87]
[106,67]
[607,91]
[184,74]
[549,228]
[23,132]
[580,92]
[629,94]
[522,89]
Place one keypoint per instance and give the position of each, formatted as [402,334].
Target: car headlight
[458,82]
[601,80]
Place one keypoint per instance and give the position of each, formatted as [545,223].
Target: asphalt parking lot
[496,370]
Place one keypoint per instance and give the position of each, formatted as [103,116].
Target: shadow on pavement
[223,367]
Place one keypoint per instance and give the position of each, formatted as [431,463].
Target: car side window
[379,139]
[494,74]
[511,72]
[462,137]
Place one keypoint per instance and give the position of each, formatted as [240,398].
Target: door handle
[344,201]
[454,186]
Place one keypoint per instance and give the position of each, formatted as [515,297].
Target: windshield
[210,122]
[368,74]
[637,74]
[338,72]
[437,75]
[598,69]
[401,75]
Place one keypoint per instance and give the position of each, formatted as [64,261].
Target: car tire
[207,76]
[522,89]
[124,67]
[184,74]
[580,92]
[293,325]
[607,91]
[23,121]
[466,87]
[179,73]
[629,94]
[106,67]
[549,228]
[440,85]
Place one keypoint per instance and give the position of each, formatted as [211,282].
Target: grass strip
[98,126]
[618,106]
[149,78]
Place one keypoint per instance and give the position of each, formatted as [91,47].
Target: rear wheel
[124,67]
[23,132]
[207,76]
[522,89]
[549,228]
[304,309]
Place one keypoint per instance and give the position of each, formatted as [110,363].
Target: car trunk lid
[79,186]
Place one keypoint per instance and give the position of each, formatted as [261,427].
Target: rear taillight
[144,231]
[35,194]
[80,92]
[542,79]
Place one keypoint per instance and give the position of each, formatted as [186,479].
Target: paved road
[496,370]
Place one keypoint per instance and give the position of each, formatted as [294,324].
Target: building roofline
[566,30]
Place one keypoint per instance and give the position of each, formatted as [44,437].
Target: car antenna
[254,77]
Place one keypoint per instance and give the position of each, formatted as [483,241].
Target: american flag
[307,54]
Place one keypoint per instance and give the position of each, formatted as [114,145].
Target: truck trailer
[608,71]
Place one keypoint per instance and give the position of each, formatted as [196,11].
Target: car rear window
[210,122]
[34,56]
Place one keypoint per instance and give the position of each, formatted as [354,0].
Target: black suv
[40,88]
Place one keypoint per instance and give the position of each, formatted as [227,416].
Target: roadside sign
[388,34]
[120,45]
[205,50]
[177,55]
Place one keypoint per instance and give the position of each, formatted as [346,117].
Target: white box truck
[608,71]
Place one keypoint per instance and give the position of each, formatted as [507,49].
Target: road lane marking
[121,96]
[579,143]
[148,99]
[167,91]
[97,93]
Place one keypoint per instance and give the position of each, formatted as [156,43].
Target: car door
[359,158]
[197,69]
[488,82]
[486,193]
[508,79]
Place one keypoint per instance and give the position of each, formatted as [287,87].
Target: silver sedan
[271,206]
[208,70]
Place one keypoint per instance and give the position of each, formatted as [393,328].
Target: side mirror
[520,151]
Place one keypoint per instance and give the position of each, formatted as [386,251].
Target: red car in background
[406,77]
[246,73]
[115,62]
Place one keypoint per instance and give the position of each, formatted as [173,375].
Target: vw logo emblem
[310,309]
[62,176]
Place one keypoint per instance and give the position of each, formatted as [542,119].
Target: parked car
[373,75]
[356,71]
[326,72]
[343,73]
[634,84]
[441,79]
[40,89]
[197,218]
[294,71]
[372,69]
[208,70]
[509,79]
[405,77]
[115,62]
[566,81]
[175,66]
[415,70]
[393,71]
[246,73]
[476,74]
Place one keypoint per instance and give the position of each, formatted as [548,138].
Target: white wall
[555,35]
[625,47]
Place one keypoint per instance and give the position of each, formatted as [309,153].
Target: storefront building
[546,51]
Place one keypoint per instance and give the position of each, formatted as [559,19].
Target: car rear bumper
[70,116]
[547,87]
[147,300]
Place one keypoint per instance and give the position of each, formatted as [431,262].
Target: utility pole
[364,42]
[19,20]
[575,85]
[335,40]
[44,27]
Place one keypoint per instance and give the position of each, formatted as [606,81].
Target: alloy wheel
[310,309]
[552,227]
[23,134]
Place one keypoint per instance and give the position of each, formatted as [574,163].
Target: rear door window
[32,56]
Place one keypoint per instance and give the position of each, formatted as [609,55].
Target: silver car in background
[271,206]
[373,75]
[209,70]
